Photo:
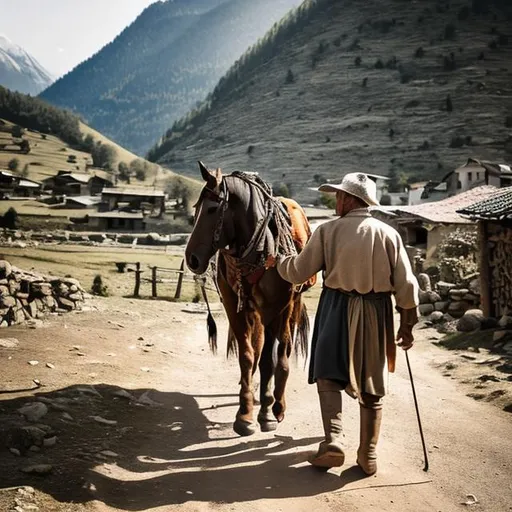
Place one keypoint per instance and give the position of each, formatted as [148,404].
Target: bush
[379,64]
[508,121]
[17,131]
[357,61]
[290,78]
[449,63]
[457,141]
[457,254]
[10,219]
[98,288]
[13,164]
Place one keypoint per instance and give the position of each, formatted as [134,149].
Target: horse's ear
[205,173]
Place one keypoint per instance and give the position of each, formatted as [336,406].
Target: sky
[62,33]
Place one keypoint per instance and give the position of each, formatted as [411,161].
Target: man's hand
[405,337]
[408,318]
[270,262]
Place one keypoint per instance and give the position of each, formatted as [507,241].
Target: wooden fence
[162,275]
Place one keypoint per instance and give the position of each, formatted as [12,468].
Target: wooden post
[153,282]
[136,291]
[485,274]
[177,295]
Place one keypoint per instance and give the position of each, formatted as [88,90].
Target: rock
[444,288]
[424,297]
[507,347]
[15,451]
[145,399]
[9,343]
[39,469]
[33,411]
[425,309]
[474,286]
[489,323]
[66,416]
[441,306]
[66,304]
[122,393]
[498,335]
[505,322]
[7,301]
[50,365]
[103,421]
[33,362]
[35,433]
[109,453]
[424,282]
[436,317]
[470,321]
[76,297]
[469,297]
[88,390]
[448,318]
[50,441]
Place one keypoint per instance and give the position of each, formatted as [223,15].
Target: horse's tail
[232,344]
[301,337]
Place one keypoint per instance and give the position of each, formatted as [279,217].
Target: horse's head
[210,220]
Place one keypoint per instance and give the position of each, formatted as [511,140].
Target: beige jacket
[358,253]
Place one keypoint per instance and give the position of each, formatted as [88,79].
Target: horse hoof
[268,425]
[278,411]
[244,428]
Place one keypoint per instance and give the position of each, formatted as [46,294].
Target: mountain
[406,89]
[169,58]
[19,71]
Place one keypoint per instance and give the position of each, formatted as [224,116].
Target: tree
[290,78]
[10,218]
[13,164]
[282,190]
[328,200]
[138,168]
[124,171]
[104,155]
[17,131]
[24,172]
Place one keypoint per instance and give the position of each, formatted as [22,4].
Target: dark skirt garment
[330,348]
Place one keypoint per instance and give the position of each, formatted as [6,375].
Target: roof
[28,183]
[118,191]
[493,168]
[498,206]
[117,215]
[445,211]
[378,176]
[84,200]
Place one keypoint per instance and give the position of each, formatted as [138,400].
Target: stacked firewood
[500,270]
[27,295]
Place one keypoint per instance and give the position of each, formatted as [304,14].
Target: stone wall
[27,295]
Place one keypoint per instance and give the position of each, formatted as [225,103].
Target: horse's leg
[265,418]
[282,371]
[242,326]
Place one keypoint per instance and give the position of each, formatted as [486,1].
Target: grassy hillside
[390,86]
[161,65]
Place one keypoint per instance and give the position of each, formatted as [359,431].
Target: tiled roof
[445,211]
[497,206]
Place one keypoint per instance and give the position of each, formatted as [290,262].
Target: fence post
[138,272]
[177,295]
[153,282]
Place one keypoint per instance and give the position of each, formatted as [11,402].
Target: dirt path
[181,453]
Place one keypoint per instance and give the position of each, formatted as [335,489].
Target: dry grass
[84,263]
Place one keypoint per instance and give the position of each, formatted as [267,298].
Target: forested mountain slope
[391,87]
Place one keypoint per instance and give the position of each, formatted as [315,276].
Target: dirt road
[173,448]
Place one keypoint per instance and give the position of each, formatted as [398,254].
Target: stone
[76,297]
[7,301]
[50,365]
[109,453]
[448,318]
[470,321]
[469,297]
[441,306]
[436,317]
[39,469]
[489,323]
[50,441]
[103,421]
[15,451]
[5,269]
[505,322]
[9,343]
[498,335]
[33,362]
[474,286]
[122,393]
[424,297]
[66,304]
[444,288]
[424,282]
[507,347]
[33,411]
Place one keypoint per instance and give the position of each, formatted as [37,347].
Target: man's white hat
[357,184]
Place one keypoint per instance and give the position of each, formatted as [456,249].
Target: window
[477,176]
[470,176]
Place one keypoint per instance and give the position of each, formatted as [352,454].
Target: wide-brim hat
[356,184]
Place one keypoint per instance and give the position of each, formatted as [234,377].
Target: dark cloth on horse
[352,327]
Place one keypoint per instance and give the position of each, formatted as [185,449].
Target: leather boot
[330,451]
[370,420]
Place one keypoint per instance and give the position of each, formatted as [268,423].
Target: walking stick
[425,455]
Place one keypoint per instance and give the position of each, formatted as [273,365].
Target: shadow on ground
[156,454]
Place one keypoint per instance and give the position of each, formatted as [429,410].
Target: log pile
[500,269]
[26,295]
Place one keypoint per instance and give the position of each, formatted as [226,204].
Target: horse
[238,220]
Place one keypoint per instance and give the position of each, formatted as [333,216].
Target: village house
[143,199]
[424,225]
[14,185]
[69,183]
[494,216]
[116,221]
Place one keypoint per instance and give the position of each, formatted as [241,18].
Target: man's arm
[298,269]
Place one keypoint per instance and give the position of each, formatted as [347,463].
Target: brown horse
[238,218]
